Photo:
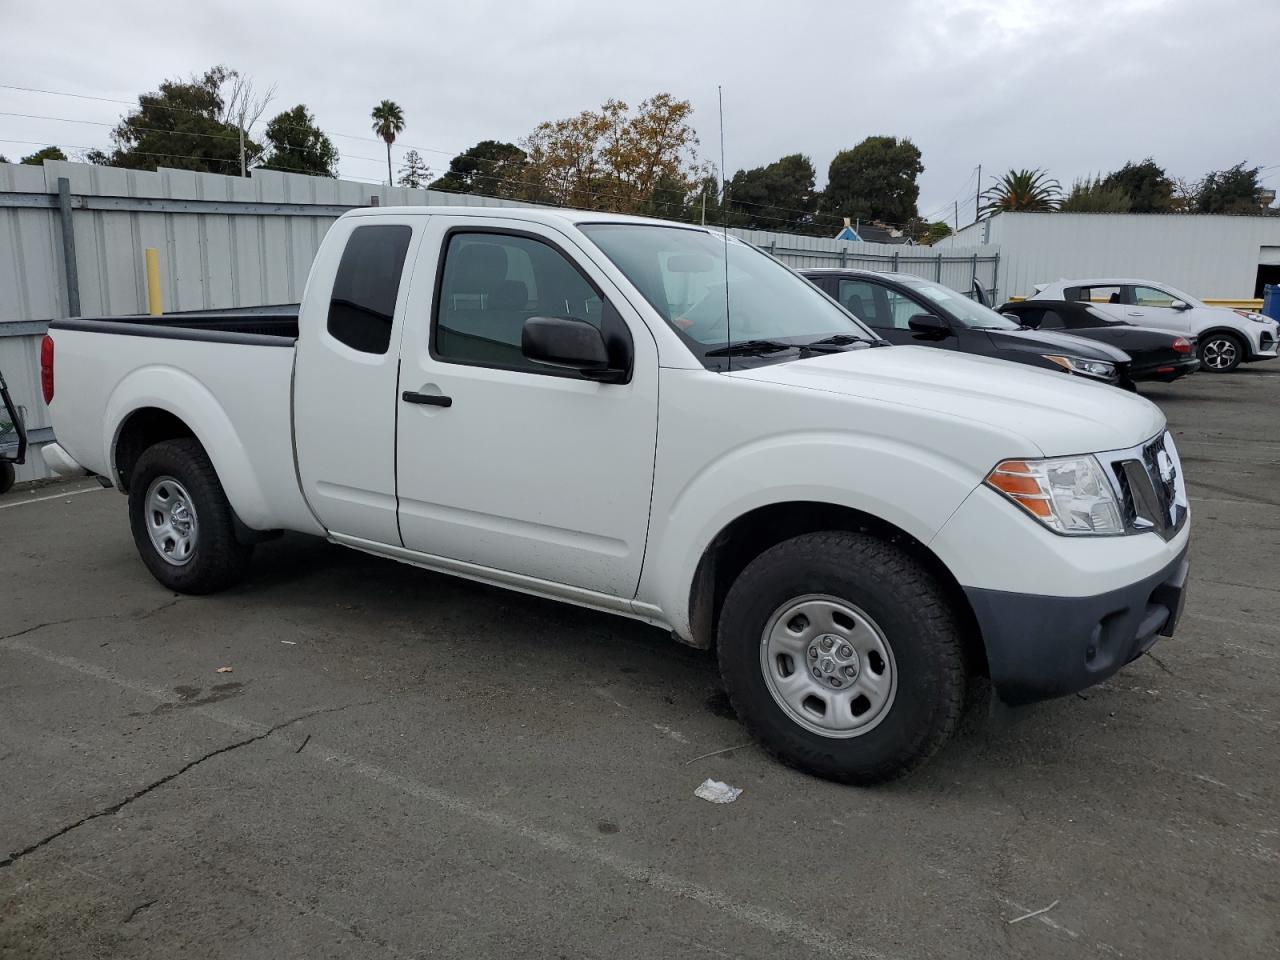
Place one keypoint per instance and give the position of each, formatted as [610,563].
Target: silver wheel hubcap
[1219,354]
[828,665]
[171,521]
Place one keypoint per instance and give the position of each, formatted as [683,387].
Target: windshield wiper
[839,342]
[749,347]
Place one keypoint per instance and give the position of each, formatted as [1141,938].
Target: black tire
[218,560]
[1225,349]
[8,475]
[906,603]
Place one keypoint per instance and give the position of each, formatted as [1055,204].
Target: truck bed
[226,374]
[255,326]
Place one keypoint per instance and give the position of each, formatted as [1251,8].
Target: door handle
[1135,313]
[431,399]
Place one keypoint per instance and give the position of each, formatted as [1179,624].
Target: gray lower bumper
[1040,647]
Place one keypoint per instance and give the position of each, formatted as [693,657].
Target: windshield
[958,306]
[681,272]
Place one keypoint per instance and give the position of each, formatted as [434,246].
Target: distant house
[871,233]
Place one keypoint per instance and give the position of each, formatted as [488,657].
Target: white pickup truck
[657,421]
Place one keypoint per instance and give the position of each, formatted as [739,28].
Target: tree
[490,167]
[923,232]
[388,122]
[1146,185]
[614,159]
[1023,190]
[244,110]
[297,145]
[187,125]
[779,196]
[40,156]
[414,171]
[1235,190]
[875,180]
[1095,195]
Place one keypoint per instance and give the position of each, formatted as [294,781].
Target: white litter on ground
[714,791]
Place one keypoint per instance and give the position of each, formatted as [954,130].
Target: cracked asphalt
[398,764]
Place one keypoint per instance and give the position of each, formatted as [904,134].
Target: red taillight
[46,368]
[1181,345]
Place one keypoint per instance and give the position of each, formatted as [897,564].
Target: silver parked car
[1227,337]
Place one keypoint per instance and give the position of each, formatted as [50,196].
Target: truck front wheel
[182,523]
[843,656]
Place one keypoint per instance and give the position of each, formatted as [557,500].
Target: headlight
[1068,494]
[1086,368]
[1255,317]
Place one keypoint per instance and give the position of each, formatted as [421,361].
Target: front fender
[911,488]
[182,395]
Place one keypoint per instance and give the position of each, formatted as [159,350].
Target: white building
[1208,255]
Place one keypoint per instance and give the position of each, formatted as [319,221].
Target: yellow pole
[153,282]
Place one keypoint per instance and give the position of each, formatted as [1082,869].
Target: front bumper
[1265,346]
[1040,647]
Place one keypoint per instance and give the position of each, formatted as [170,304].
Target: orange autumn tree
[644,162]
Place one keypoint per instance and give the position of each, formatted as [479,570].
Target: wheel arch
[1241,339]
[154,404]
[139,430]
[751,533]
[1230,331]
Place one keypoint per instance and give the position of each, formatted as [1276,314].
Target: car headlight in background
[1098,369]
[1255,317]
[1070,495]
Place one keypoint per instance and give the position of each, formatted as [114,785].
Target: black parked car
[1156,354]
[907,309]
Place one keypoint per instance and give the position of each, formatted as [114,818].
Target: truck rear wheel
[7,476]
[182,523]
[843,656]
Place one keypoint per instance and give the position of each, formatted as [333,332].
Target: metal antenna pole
[724,223]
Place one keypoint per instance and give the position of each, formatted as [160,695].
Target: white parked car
[1227,338]
[568,404]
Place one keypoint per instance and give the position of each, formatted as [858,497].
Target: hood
[1057,413]
[1054,341]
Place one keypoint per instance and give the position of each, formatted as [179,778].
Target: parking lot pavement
[398,764]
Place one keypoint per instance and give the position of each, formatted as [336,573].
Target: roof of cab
[547,215]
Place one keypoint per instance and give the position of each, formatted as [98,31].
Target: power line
[172,133]
[234,161]
[145,100]
[593,194]
[148,100]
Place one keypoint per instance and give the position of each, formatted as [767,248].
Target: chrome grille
[1151,488]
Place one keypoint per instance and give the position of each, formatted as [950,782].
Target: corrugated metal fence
[244,242]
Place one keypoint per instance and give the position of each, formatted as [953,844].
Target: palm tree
[1025,190]
[388,120]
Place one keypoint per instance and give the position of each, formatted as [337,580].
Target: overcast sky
[1075,86]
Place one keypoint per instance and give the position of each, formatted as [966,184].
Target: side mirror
[13,432]
[929,327]
[1180,305]
[570,344]
[1030,320]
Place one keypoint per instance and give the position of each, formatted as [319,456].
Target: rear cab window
[362,303]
